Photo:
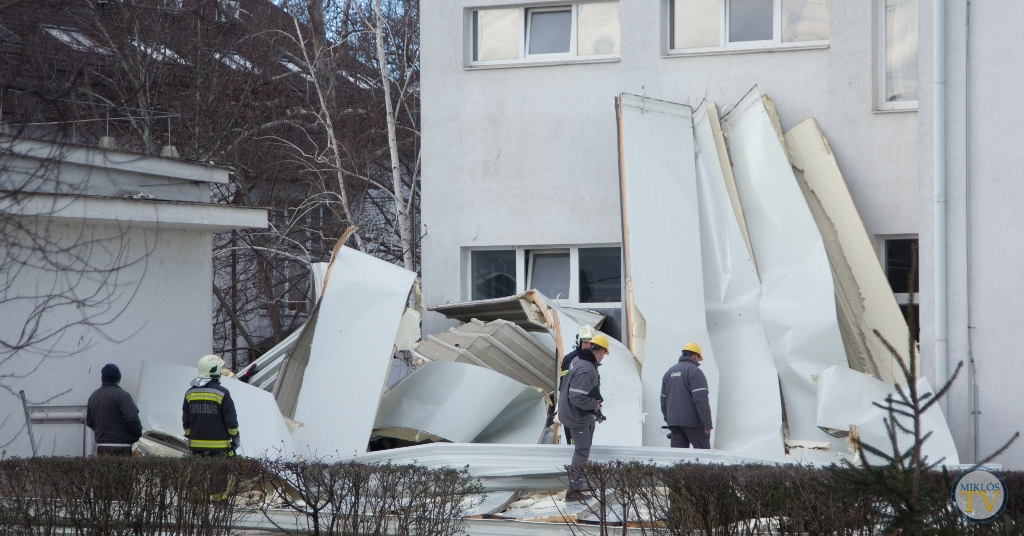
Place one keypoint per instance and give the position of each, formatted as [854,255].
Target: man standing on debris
[208,413]
[684,401]
[577,406]
[582,343]
[112,415]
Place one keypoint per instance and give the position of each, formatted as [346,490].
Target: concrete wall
[510,154]
[984,119]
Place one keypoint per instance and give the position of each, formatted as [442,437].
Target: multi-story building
[520,170]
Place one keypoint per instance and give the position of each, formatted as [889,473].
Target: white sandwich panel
[798,307]
[350,354]
[749,402]
[662,247]
[162,389]
[863,295]
[458,401]
[620,385]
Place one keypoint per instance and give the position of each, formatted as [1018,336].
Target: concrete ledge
[138,212]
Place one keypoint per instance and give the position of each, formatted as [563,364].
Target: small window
[550,274]
[160,53]
[234,60]
[708,26]
[227,10]
[898,64]
[75,39]
[600,275]
[291,66]
[555,33]
[900,269]
[493,274]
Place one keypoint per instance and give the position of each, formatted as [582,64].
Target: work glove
[236,441]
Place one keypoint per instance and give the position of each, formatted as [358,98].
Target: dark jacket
[684,395]
[113,416]
[567,360]
[208,416]
[576,400]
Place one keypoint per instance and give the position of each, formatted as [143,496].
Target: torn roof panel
[749,403]
[661,245]
[863,296]
[350,353]
[797,306]
[457,402]
[520,309]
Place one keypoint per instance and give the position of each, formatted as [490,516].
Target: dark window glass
[612,325]
[899,257]
[751,20]
[550,274]
[600,275]
[550,31]
[494,274]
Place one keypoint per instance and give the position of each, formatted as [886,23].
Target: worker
[582,342]
[112,415]
[684,401]
[577,406]
[208,413]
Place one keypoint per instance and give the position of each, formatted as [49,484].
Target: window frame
[526,59]
[739,47]
[881,105]
[524,269]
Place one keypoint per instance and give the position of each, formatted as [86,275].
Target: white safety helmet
[210,365]
[586,333]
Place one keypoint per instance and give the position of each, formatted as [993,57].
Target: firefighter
[208,413]
[582,343]
[578,408]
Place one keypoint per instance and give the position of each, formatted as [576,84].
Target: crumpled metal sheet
[662,247]
[350,353]
[749,404]
[798,308]
[863,295]
[846,401]
[459,402]
[499,345]
[520,309]
[162,389]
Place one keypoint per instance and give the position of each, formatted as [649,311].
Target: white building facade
[128,275]
[520,166]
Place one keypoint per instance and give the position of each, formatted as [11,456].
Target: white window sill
[746,49]
[538,63]
[905,106]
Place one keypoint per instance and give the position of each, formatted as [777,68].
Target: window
[576,277]
[291,66]
[897,64]
[493,274]
[544,34]
[75,39]
[234,60]
[901,269]
[716,26]
[227,10]
[160,53]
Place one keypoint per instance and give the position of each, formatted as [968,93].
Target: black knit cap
[110,373]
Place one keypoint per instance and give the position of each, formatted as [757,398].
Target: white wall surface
[512,154]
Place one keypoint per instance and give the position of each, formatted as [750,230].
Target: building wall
[528,155]
[161,312]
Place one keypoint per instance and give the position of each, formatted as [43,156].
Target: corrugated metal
[661,229]
[798,308]
[749,404]
[458,402]
[518,309]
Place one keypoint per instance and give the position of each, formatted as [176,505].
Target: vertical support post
[939,187]
[28,423]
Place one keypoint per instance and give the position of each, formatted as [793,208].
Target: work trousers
[582,439]
[684,436]
[105,450]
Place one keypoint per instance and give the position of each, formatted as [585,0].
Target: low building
[520,165]
[107,259]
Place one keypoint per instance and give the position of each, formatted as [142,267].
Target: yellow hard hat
[692,346]
[599,341]
[210,365]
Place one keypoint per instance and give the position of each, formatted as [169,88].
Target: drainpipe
[939,190]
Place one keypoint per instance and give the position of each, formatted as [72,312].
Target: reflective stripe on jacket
[209,418]
[574,397]
[684,395]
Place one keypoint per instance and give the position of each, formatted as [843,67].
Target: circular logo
[979,494]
